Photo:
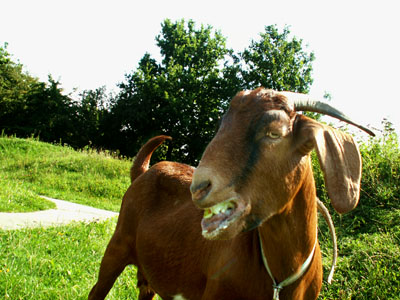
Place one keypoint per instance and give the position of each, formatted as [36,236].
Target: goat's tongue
[211,224]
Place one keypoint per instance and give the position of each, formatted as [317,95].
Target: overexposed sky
[90,43]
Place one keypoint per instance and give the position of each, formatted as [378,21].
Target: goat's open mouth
[219,217]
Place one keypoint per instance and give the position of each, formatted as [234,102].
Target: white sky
[87,44]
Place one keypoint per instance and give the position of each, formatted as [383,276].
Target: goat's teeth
[218,208]
[207,213]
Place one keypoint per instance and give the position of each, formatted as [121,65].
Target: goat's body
[161,235]
[196,234]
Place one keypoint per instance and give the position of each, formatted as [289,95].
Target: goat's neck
[289,237]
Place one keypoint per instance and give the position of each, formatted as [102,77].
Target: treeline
[183,95]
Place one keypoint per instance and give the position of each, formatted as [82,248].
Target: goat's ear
[339,158]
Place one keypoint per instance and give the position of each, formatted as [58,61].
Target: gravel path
[66,212]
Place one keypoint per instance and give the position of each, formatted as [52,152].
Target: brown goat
[242,222]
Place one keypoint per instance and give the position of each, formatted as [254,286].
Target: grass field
[29,168]
[62,262]
[57,263]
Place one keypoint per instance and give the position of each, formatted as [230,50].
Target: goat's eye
[273,135]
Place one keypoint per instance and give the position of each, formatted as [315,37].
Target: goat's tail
[142,160]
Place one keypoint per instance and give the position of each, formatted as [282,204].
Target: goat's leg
[116,258]
[145,291]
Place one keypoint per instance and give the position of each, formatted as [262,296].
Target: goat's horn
[303,102]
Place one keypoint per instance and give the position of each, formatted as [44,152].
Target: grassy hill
[62,262]
[29,168]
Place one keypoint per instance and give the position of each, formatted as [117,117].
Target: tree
[91,111]
[182,96]
[14,87]
[30,107]
[185,94]
[49,114]
[277,62]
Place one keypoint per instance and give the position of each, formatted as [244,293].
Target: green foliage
[92,111]
[381,167]
[182,96]
[277,62]
[48,114]
[14,87]
[14,83]
[368,236]
[29,107]
[380,189]
[185,94]
[29,168]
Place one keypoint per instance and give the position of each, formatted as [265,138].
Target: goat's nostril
[200,190]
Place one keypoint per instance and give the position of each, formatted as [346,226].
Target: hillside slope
[29,168]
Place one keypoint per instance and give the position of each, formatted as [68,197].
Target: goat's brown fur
[159,226]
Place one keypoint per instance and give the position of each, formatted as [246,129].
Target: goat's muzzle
[223,209]
[200,190]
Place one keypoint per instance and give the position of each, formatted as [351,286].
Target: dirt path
[66,212]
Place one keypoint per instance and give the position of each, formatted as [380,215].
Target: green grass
[58,263]
[367,267]
[15,197]
[369,236]
[63,262]
[29,168]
